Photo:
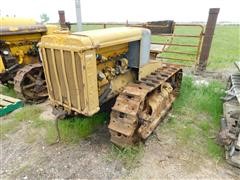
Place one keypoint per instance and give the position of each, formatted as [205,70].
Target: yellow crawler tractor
[86,69]
[19,57]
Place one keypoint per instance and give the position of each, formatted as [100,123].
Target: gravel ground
[24,159]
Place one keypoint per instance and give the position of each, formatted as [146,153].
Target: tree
[44,17]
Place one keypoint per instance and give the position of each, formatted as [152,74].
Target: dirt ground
[161,158]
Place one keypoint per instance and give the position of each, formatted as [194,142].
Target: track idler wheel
[30,83]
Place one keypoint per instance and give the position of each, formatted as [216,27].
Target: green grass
[75,128]
[224,51]
[226,47]
[196,117]
[71,129]
[8,91]
[128,156]
[27,113]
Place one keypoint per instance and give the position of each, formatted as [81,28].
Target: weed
[128,156]
[204,126]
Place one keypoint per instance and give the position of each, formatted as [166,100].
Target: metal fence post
[207,41]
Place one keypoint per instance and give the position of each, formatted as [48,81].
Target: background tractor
[19,57]
[86,69]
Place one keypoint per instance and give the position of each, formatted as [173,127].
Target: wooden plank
[5,103]
[10,99]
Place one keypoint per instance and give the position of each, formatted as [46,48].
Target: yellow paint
[19,38]
[148,68]
[20,44]
[2,67]
[10,21]
[90,85]
[81,67]
[121,81]
[113,51]
[95,39]
[51,29]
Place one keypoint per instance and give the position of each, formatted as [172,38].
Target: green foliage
[44,17]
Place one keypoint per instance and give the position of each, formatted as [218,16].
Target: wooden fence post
[62,20]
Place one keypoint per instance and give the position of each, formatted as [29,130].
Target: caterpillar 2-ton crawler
[19,58]
[86,69]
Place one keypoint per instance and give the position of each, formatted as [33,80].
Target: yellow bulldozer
[19,57]
[86,69]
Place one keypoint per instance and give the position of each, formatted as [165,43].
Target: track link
[141,105]
[29,83]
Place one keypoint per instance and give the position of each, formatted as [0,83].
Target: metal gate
[181,48]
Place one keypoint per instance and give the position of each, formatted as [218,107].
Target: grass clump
[214,149]
[128,156]
[196,116]
[75,128]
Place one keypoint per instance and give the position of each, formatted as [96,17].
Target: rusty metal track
[141,105]
[30,84]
